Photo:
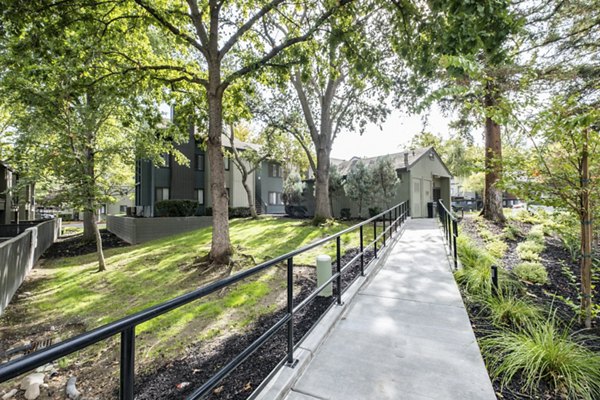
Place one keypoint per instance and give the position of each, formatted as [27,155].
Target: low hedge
[176,208]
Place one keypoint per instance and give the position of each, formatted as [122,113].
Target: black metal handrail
[396,216]
[450,226]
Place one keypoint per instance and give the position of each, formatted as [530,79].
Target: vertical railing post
[290,310]
[391,224]
[454,236]
[338,264]
[375,237]
[494,280]
[383,218]
[362,254]
[127,384]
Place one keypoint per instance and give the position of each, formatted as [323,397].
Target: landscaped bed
[531,338]
[177,352]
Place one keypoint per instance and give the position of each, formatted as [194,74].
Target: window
[199,195]
[162,194]
[199,162]
[166,160]
[122,209]
[274,170]
[226,161]
[275,198]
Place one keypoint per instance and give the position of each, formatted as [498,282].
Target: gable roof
[397,160]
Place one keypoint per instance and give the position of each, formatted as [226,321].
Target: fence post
[375,237]
[338,263]
[494,280]
[362,254]
[290,310]
[127,383]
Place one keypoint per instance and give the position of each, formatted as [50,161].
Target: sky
[394,136]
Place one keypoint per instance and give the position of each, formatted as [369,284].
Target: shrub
[239,212]
[176,208]
[512,232]
[373,211]
[525,217]
[527,255]
[509,310]
[542,353]
[208,211]
[530,246]
[536,234]
[496,248]
[345,213]
[533,272]
[475,280]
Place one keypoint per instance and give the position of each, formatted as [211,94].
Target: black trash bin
[431,209]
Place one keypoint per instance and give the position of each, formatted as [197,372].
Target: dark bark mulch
[75,245]
[197,367]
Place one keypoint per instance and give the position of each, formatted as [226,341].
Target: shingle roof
[397,159]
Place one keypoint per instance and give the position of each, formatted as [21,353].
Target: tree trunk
[220,251]
[89,233]
[101,261]
[586,237]
[492,197]
[249,193]
[322,205]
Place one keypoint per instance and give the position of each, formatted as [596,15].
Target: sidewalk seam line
[412,301]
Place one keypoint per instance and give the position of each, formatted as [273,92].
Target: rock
[32,392]
[35,379]
[9,395]
[71,390]
[45,368]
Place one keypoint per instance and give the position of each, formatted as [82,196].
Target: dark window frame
[200,165]
[197,192]
[162,189]
[167,158]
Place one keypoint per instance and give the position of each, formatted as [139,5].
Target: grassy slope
[67,290]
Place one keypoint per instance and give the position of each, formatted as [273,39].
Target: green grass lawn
[70,290]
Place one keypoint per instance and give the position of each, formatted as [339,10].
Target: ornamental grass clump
[543,352]
[509,310]
[470,255]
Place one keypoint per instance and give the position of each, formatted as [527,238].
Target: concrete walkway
[406,335]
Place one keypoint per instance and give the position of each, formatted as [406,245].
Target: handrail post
[494,280]
[454,236]
[290,310]
[338,263]
[391,224]
[127,383]
[383,218]
[375,237]
[362,253]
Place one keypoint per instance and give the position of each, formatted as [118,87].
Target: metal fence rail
[393,217]
[450,226]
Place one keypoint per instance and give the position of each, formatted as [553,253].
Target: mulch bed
[180,378]
[75,245]
[554,258]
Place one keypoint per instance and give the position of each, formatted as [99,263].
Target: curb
[281,382]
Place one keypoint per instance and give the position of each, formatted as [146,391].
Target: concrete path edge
[284,379]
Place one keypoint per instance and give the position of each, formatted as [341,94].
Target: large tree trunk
[322,205]
[492,197]
[586,238]
[89,233]
[220,251]
[98,237]
[250,195]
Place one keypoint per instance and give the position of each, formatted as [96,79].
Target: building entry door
[415,206]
